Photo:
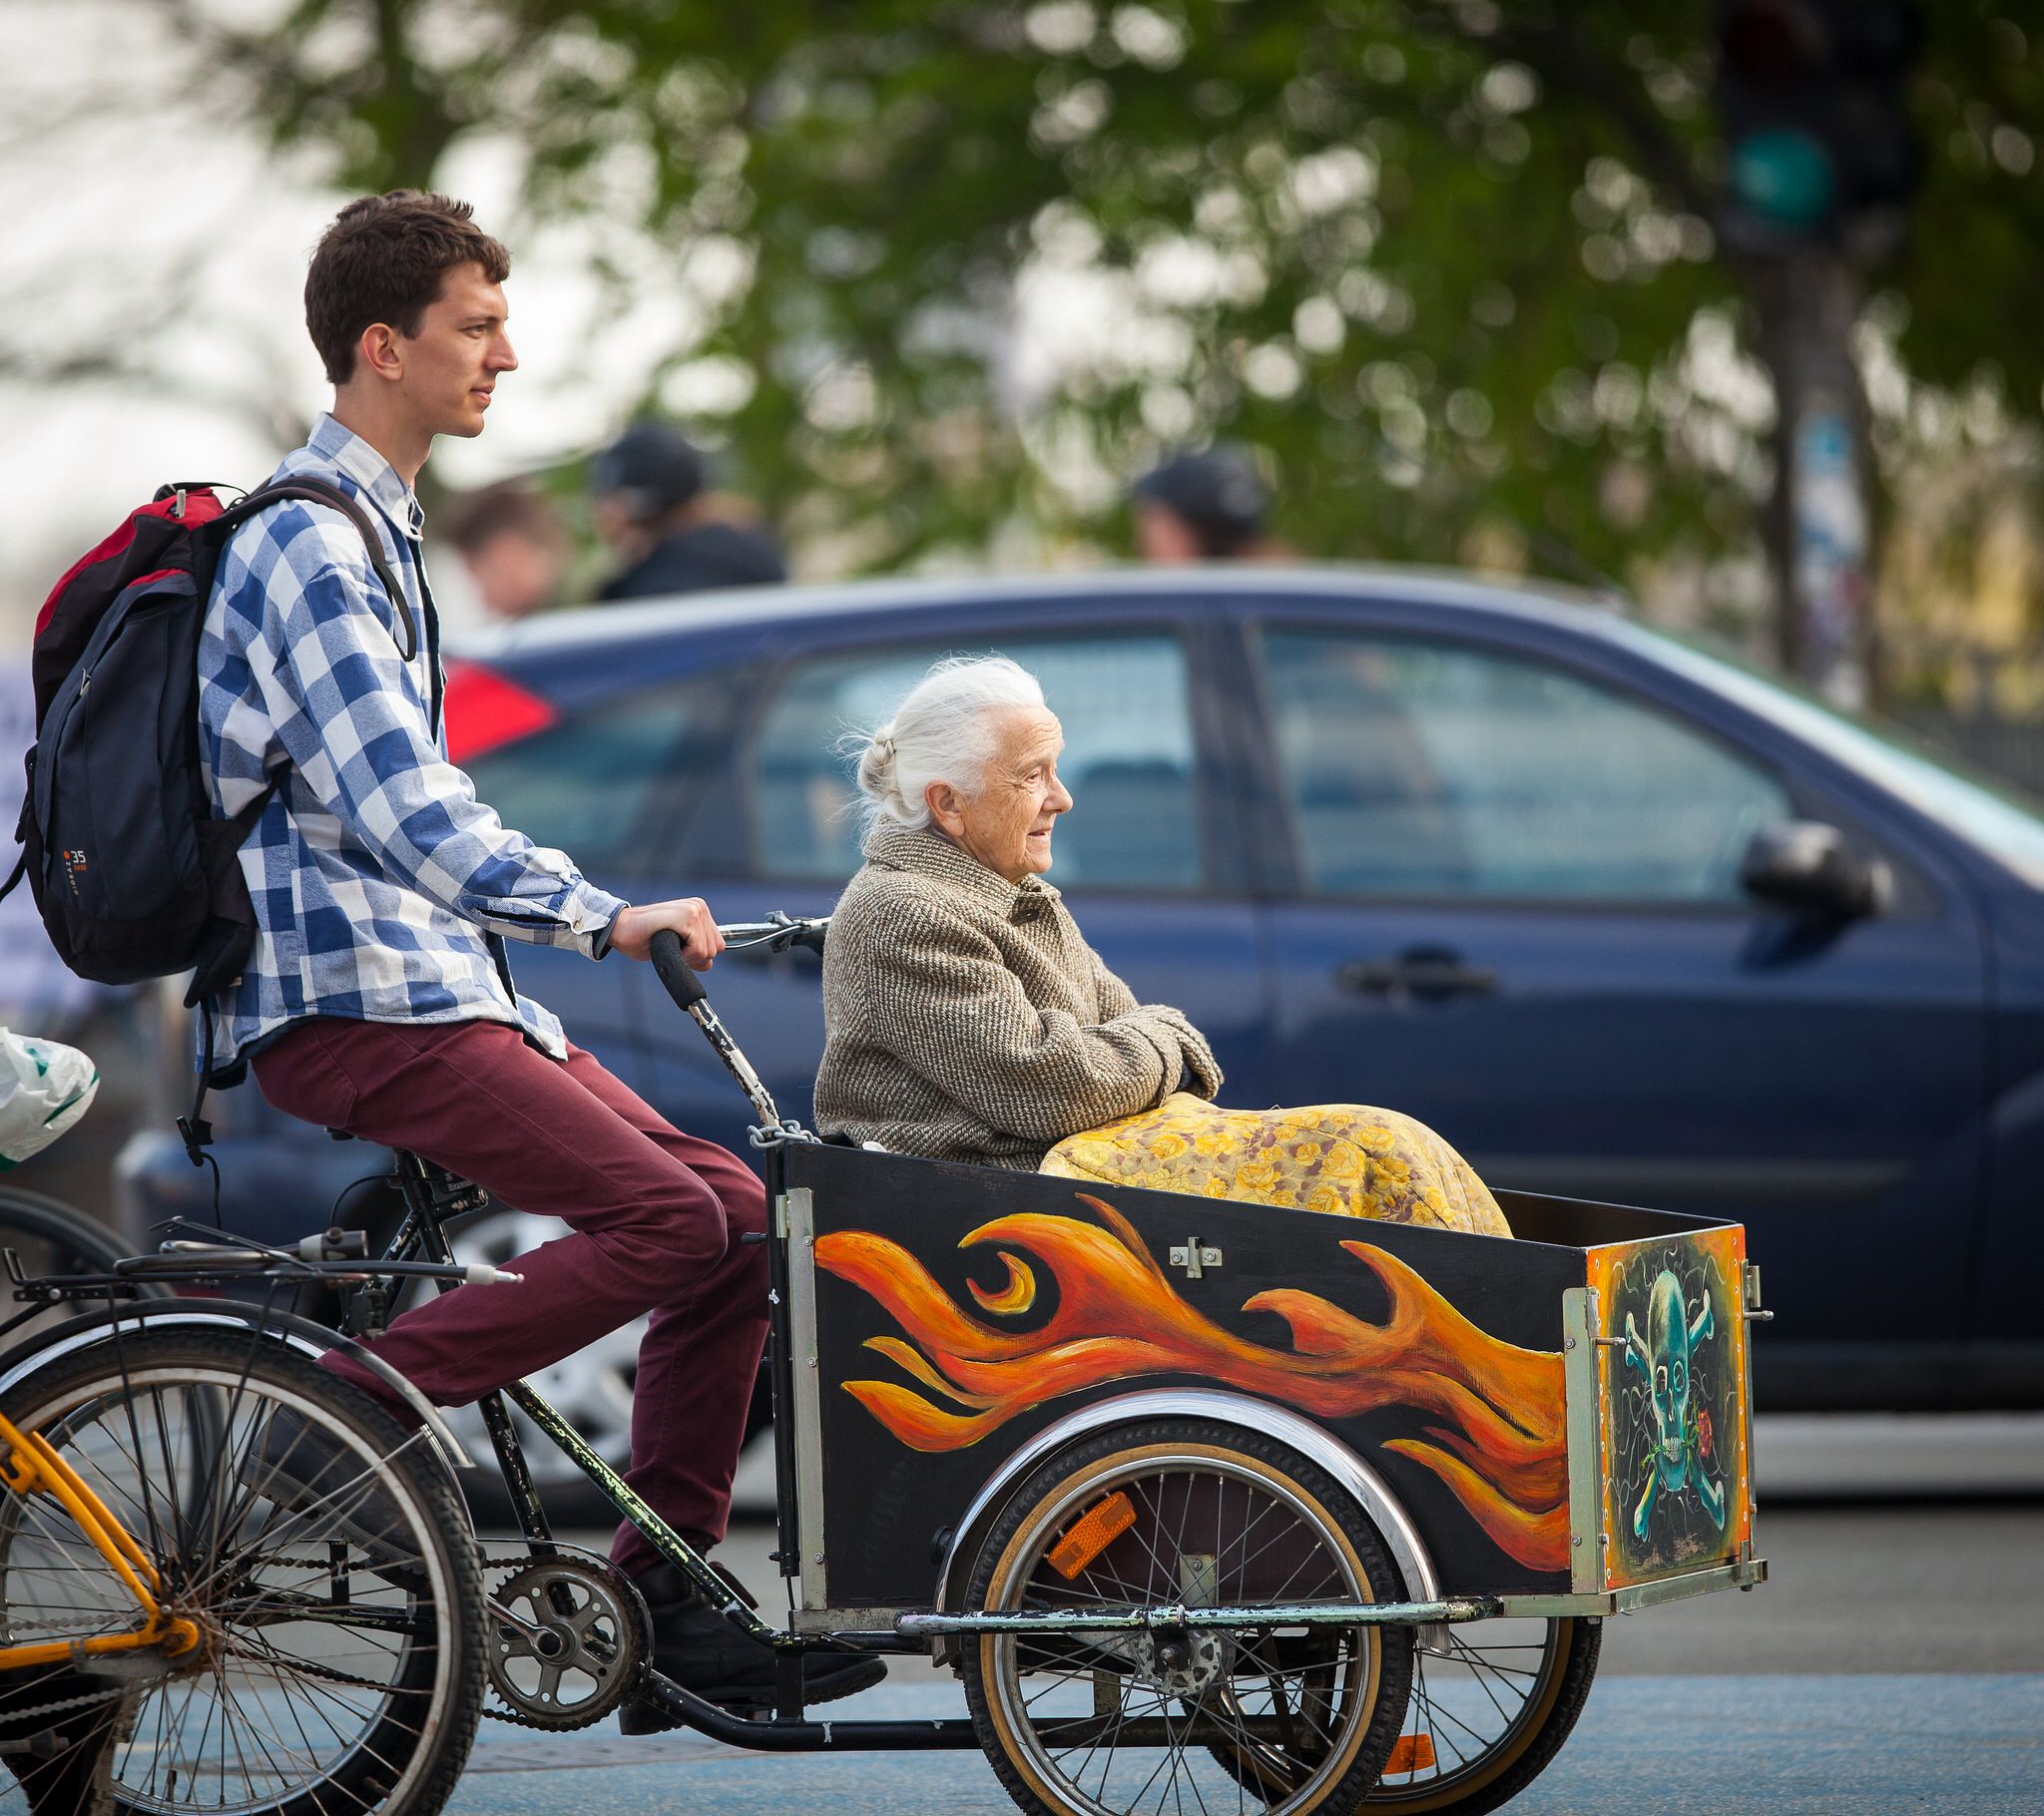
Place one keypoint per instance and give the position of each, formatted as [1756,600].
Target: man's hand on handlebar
[689,918]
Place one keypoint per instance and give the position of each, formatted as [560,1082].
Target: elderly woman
[967,1019]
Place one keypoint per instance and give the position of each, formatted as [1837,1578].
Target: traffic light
[1811,99]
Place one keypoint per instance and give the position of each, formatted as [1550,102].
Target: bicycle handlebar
[682,983]
[778,933]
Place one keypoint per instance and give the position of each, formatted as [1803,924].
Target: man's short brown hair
[383,260]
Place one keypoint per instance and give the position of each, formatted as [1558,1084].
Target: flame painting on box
[1490,1422]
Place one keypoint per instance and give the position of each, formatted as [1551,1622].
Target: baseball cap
[651,465]
[1217,488]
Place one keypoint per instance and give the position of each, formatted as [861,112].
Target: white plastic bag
[44,1089]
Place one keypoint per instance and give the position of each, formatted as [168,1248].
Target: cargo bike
[1209,1506]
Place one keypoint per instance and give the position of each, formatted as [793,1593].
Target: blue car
[1617,917]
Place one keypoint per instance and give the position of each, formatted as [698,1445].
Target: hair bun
[877,767]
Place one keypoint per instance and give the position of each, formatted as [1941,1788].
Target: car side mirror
[1808,867]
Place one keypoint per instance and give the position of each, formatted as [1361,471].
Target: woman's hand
[632,932]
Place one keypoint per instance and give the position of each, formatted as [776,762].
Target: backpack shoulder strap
[318,492]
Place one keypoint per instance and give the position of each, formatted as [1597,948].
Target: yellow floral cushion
[1342,1157]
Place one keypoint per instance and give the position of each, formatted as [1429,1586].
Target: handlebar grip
[682,983]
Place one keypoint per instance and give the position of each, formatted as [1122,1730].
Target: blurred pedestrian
[1209,506]
[650,493]
[512,541]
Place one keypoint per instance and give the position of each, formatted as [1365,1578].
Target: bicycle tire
[1482,1777]
[49,1236]
[64,1229]
[1489,1710]
[1185,1485]
[339,1674]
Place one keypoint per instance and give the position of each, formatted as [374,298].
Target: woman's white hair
[941,731]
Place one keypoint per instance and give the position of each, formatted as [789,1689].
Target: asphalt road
[1894,1662]
[1645,1747]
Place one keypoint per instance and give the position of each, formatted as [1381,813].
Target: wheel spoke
[1488,1702]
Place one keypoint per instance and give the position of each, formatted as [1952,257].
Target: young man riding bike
[378,1000]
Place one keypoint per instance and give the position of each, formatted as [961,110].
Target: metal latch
[1195,1258]
[1750,1293]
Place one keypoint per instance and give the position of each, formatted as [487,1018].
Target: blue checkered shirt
[378,879]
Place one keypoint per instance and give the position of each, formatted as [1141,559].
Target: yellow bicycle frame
[31,1466]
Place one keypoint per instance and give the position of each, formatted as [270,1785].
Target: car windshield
[1998,823]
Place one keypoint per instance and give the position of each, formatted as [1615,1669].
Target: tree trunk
[1816,521]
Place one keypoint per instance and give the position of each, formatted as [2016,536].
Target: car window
[1124,701]
[585,786]
[1413,767]
[1983,809]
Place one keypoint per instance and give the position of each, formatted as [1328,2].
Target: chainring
[569,1639]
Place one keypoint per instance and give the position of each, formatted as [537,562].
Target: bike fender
[1313,1442]
[301,1334]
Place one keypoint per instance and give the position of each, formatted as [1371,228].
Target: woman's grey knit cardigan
[968,1021]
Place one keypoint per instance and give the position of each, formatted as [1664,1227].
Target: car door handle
[1424,974]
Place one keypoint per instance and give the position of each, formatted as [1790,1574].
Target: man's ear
[946,807]
[380,351]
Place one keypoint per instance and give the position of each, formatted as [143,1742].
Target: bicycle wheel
[51,1238]
[338,1667]
[1179,1511]
[1490,1709]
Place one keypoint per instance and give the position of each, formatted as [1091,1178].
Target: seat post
[432,1196]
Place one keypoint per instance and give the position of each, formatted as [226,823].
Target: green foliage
[1971,270]
[1454,265]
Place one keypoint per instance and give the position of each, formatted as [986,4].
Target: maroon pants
[656,1214]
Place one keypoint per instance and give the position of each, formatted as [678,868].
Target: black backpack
[134,877]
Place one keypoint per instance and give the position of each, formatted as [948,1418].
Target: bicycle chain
[504,1568]
[67,1703]
[304,1667]
[516,1558]
[78,1623]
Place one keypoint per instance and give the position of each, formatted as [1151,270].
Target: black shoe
[312,1476]
[702,1651]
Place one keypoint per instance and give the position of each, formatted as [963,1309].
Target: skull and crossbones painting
[1666,1356]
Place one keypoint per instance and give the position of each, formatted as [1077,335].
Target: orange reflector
[1098,1528]
[1414,1753]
